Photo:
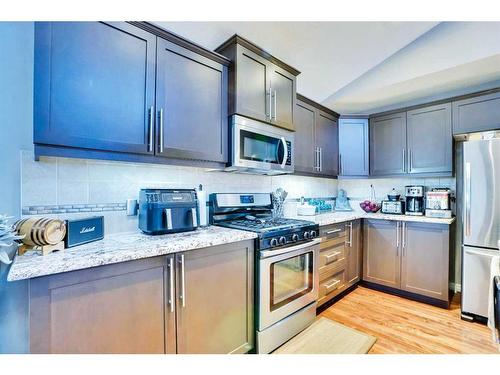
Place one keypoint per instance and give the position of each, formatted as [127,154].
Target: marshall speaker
[84,230]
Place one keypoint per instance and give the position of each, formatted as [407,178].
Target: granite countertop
[340,217]
[121,247]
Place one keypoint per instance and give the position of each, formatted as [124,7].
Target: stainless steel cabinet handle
[151,124]
[333,255]
[194,217]
[340,164]
[410,160]
[316,158]
[334,284]
[397,238]
[349,241]
[467,199]
[161,130]
[183,281]
[275,106]
[168,215]
[171,297]
[404,160]
[403,237]
[321,159]
[269,112]
[334,231]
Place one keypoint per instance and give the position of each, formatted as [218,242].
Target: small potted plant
[8,236]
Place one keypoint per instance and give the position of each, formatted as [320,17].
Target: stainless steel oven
[288,284]
[260,148]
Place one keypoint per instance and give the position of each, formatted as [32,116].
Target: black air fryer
[164,211]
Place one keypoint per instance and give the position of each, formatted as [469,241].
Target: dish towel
[494,271]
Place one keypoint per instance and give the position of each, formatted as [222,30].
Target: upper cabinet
[353,147]
[476,114]
[128,91]
[94,86]
[418,142]
[388,144]
[316,139]
[430,142]
[191,104]
[260,86]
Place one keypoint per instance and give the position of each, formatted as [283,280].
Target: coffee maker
[415,200]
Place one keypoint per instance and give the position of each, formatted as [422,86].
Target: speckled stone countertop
[340,217]
[121,247]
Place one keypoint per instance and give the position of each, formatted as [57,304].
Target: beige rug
[325,336]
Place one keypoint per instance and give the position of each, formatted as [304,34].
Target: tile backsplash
[72,188]
[94,187]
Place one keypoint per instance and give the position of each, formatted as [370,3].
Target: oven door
[261,147]
[288,281]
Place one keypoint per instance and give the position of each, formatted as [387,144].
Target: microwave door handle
[285,153]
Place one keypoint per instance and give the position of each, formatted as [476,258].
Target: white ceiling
[360,67]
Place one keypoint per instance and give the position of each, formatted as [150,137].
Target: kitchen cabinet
[354,252]
[261,86]
[305,155]
[327,143]
[475,114]
[388,144]
[94,86]
[128,91]
[411,257]
[191,104]
[353,147]
[381,259]
[316,139]
[430,140]
[199,301]
[215,300]
[425,259]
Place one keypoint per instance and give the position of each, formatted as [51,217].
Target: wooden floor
[404,326]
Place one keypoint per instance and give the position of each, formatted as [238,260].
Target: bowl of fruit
[370,206]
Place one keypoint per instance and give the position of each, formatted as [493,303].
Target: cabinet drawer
[332,286]
[332,231]
[332,255]
[331,269]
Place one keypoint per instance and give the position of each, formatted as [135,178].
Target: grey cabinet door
[425,259]
[215,299]
[381,259]
[94,86]
[354,253]
[327,139]
[305,117]
[191,104]
[353,147]
[117,308]
[253,96]
[430,142]
[388,145]
[283,93]
[476,114]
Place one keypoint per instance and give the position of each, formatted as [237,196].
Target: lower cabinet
[200,301]
[339,259]
[409,256]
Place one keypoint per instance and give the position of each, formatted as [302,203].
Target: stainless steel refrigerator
[480,219]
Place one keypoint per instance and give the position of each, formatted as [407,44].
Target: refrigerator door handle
[467,199]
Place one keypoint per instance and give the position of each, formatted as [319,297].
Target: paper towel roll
[202,208]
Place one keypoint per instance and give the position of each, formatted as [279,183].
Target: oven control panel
[290,237]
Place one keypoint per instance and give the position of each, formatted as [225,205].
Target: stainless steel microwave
[260,148]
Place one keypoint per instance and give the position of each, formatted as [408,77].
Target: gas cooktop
[260,225]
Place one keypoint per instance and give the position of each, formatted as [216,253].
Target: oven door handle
[270,253]
[285,152]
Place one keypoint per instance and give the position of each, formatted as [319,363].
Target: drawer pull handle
[333,255]
[334,231]
[333,285]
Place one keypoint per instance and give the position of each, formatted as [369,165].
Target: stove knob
[274,242]
[282,240]
[313,234]
[307,235]
[295,237]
